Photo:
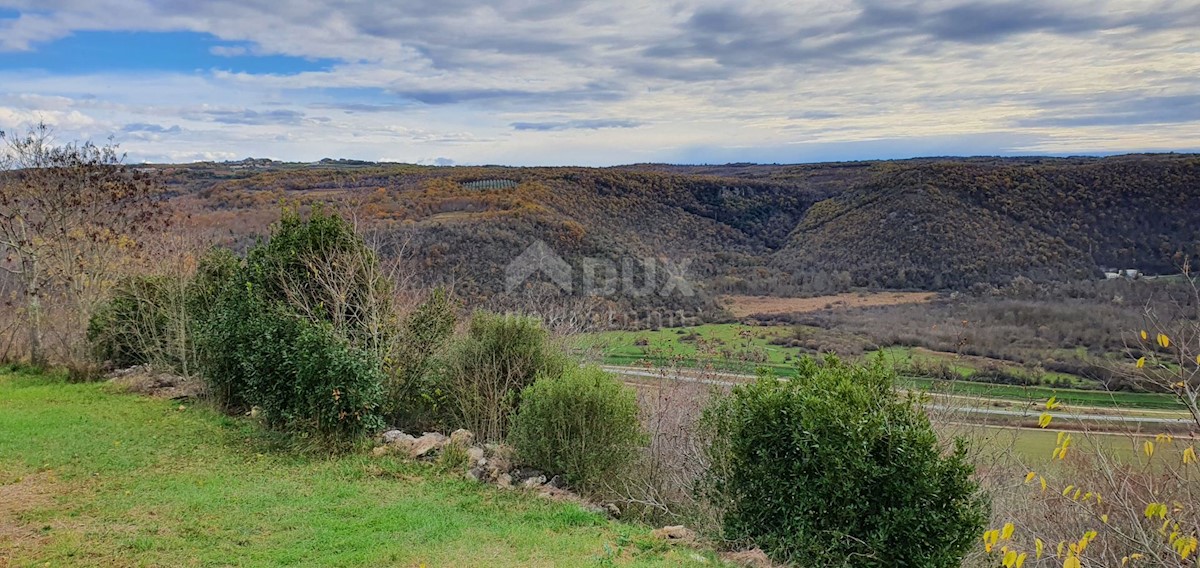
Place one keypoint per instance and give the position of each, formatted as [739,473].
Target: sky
[604,82]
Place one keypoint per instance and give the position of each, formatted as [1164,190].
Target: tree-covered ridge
[955,223]
[775,229]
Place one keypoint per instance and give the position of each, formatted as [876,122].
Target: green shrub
[128,328]
[337,386]
[581,422]
[145,320]
[833,469]
[413,399]
[485,371]
[296,329]
[215,271]
[325,272]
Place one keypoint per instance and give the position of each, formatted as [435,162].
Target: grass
[745,348]
[1069,397]
[1034,447]
[91,477]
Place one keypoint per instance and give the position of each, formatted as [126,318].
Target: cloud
[587,124]
[480,80]
[228,50]
[590,92]
[1178,109]
[248,116]
[151,128]
[361,107]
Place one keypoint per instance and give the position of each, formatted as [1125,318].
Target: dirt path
[17,498]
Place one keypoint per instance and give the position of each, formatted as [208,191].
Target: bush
[337,386]
[832,469]
[321,269]
[413,400]
[581,422]
[129,328]
[485,371]
[145,320]
[296,329]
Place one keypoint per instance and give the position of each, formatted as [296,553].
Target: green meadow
[93,477]
[742,348]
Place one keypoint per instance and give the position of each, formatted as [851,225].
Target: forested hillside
[772,229]
[955,223]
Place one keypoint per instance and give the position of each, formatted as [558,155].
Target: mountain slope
[769,229]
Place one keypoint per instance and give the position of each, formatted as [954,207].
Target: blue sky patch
[184,52]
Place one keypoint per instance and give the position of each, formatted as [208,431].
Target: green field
[746,348]
[91,477]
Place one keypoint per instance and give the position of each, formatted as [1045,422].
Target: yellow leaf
[1010,559]
[1141,362]
[1007,532]
[1038,546]
[1198,359]
[1020,560]
[1148,448]
[1104,519]
[1029,476]
[1067,489]
[1071,562]
[1052,403]
[1044,420]
[1164,341]
[989,540]
[1145,335]
[1189,455]
[1042,480]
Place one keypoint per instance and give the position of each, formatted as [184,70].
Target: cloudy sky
[604,82]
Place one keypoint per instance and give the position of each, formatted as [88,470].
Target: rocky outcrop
[488,463]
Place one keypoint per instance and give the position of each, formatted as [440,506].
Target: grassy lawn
[91,477]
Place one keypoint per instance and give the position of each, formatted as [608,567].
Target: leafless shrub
[660,488]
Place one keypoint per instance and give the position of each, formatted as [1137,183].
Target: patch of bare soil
[146,381]
[743,306]
[28,494]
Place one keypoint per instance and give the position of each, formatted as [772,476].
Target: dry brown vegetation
[745,306]
[18,498]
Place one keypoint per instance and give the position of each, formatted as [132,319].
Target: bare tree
[69,216]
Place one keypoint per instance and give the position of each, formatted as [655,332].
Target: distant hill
[771,229]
